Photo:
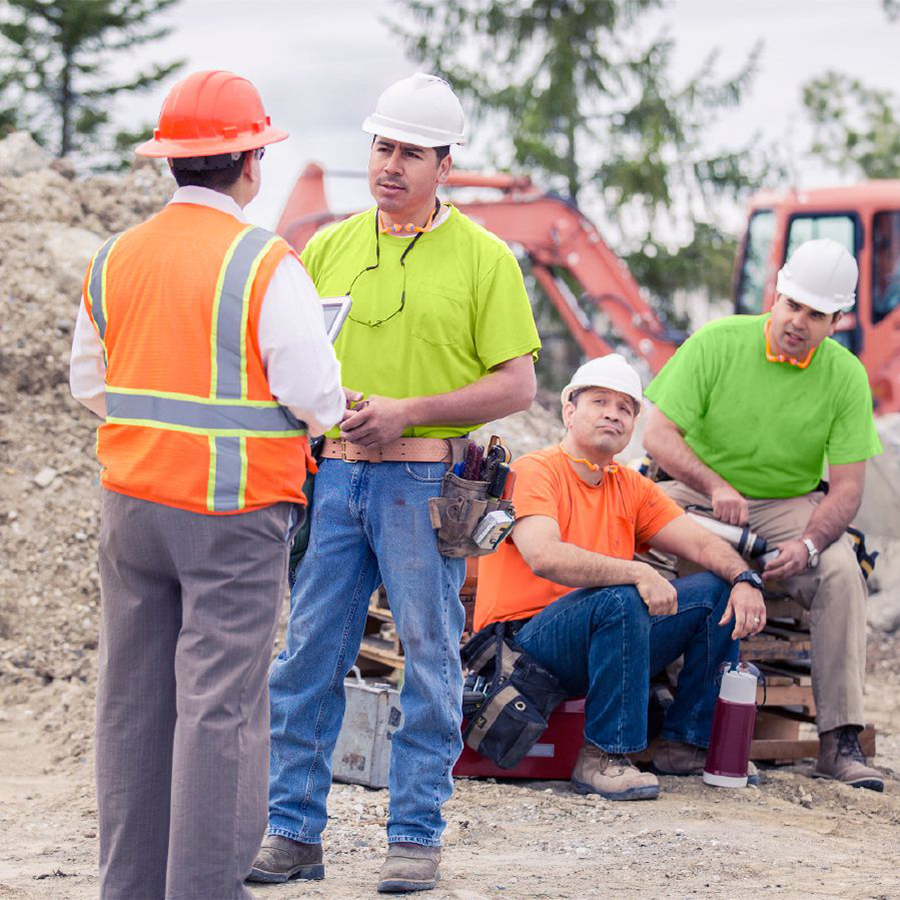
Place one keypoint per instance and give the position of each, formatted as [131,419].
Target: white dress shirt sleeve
[87,368]
[302,370]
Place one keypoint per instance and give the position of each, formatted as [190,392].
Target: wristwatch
[751,578]
[813,560]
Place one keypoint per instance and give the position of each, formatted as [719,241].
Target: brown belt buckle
[344,450]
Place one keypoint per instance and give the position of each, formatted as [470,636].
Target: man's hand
[378,421]
[729,506]
[351,398]
[792,559]
[748,608]
[659,595]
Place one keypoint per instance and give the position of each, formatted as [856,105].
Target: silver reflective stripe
[95,287]
[194,414]
[230,321]
[226,495]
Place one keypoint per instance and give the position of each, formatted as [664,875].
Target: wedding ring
[756,618]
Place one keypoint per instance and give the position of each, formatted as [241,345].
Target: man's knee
[624,604]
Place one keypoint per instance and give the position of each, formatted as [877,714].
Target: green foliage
[576,101]
[53,60]
[857,128]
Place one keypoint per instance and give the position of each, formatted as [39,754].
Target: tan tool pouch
[457,512]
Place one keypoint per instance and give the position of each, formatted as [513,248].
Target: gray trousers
[190,605]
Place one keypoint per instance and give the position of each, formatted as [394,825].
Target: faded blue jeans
[603,643]
[370,524]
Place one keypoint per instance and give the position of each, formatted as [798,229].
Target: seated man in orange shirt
[600,621]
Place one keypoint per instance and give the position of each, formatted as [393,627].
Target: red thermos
[732,728]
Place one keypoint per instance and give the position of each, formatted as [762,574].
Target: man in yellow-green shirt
[747,413]
[440,338]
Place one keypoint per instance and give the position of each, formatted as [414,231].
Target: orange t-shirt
[614,518]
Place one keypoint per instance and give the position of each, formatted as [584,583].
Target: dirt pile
[50,224]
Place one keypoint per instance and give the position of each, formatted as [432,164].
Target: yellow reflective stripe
[217,299]
[211,481]
[242,487]
[245,309]
[213,432]
[210,401]
[103,291]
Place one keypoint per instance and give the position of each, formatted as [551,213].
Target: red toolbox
[551,758]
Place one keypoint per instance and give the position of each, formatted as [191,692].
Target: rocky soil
[791,837]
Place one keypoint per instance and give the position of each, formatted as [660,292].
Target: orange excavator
[608,311]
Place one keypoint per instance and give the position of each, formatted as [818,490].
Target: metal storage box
[363,751]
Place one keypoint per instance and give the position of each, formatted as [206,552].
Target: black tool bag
[509,696]
[300,543]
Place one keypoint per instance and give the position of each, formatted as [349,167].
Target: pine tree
[53,60]
[571,94]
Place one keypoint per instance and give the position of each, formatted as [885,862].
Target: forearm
[495,395]
[668,447]
[719,557]
[575,567]
[832,516]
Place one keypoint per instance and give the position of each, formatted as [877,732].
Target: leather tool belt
[403,450]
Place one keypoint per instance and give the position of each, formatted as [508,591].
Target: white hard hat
[611,371]
[820,274]
[420,110]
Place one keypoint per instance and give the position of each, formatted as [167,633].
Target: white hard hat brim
[785,285]
[609,384]
[415,135]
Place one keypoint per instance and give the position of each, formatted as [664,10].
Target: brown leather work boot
[409,867]
[842,759]
[612,776]
[281,859]
[675,758]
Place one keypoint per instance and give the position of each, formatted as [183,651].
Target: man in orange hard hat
[201,343]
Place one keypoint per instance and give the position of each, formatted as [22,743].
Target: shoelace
[848,745]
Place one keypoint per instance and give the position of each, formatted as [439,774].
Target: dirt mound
[50,225]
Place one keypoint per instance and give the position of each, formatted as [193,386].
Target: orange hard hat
[210,113]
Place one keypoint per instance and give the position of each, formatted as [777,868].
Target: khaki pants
[834,593]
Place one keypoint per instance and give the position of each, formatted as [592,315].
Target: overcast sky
[320,67]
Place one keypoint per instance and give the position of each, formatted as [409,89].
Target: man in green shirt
[440,338]
[748,411]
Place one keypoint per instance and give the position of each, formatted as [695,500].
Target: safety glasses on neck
[379,230]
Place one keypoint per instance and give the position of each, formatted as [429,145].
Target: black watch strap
[750,577]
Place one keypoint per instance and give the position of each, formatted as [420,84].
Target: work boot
[842,759]
[281,859]
[612,776]
[675,758]
[409,867]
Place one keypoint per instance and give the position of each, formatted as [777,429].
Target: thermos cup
[732,727]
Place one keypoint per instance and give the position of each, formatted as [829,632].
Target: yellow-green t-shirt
[766,427]
[465,309]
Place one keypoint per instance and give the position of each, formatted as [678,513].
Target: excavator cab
[866,220]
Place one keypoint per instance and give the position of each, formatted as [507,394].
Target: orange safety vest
[190,420]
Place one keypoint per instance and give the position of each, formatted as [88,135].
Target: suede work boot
[842,759]
[612,776]
[675,758]
[281,859]
[409,867]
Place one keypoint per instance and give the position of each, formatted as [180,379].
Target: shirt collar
[201,196]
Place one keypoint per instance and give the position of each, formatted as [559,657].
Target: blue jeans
[370,525]
[603,643]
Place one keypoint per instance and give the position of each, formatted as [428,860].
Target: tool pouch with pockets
[456,514]
[505,721]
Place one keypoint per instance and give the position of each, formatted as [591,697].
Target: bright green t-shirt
[766,427]
[466,308]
